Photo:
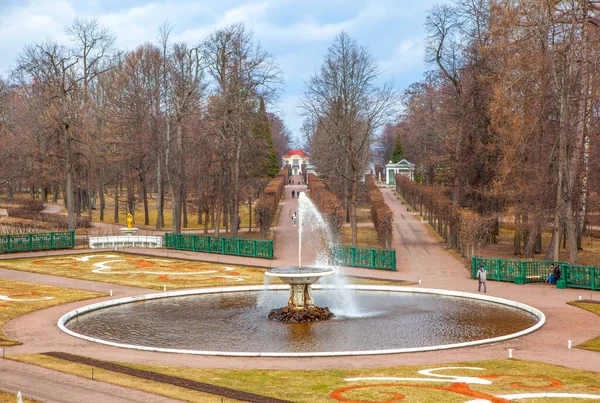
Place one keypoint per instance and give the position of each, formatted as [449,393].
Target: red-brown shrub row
[381,215]
[462,229]
[266,206]
[327,202]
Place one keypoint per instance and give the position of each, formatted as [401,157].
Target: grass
[140,271]
[363,216]
[22,291]
[367,237]
[311,386]
[6,397]
[593,344]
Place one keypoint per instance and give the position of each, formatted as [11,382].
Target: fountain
[300,306]
[217,321]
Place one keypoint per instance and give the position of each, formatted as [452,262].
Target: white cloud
[30,24]
[407,54]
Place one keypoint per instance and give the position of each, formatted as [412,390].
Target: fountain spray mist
[315,232]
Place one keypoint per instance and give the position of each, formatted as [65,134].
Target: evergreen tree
[398,154]
[269,165]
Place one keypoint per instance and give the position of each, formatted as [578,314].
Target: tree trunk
[70,198]
[160,221]
[89,198]
[184,206]
[250,213]
[145,198]
[353,203]
[116,212]
[101,193]
[235,205]
[206,221]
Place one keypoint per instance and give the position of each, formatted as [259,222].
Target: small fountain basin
[299,275]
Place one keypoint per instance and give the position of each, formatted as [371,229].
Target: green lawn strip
[21,291]
[593,344]
[141,271]
[311,386]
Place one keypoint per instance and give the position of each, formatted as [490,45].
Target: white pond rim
[536,312]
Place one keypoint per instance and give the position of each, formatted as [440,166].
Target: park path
[420,256]
[285,240]
[56,387]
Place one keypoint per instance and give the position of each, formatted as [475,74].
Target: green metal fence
[36,241]
[261,248]
[364,257]
[526,271]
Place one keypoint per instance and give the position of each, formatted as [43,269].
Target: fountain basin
[299,275]
[187,328]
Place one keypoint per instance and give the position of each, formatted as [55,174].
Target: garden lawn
[139,271]
[593,344]
[504,377]
[21,297]
[367,237]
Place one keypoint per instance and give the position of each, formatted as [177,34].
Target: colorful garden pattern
[396,389]
[140,271]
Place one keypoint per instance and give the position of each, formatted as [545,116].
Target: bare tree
[348,106]
[242,73]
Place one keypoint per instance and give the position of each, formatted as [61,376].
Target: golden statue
[129,221]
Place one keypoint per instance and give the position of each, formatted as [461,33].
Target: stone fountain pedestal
[300,307]
[128,231]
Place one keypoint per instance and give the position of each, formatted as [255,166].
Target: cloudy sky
[296,32]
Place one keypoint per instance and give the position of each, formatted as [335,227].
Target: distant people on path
[292,181]
[294,219]
[289,181]
[555,275]
[482,278]
[239,222]
[293,193]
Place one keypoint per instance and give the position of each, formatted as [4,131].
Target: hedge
[266,207]
[381,214]
[461,228]
[327,203]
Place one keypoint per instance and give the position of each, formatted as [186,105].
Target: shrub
[266,207]
[381,214]
[327,202]
[461,229]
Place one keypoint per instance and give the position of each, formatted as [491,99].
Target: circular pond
[223,322]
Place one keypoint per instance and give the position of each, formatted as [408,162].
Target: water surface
[237,322]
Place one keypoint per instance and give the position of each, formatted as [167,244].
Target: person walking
[294,219]
[293,193]
[482,278]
